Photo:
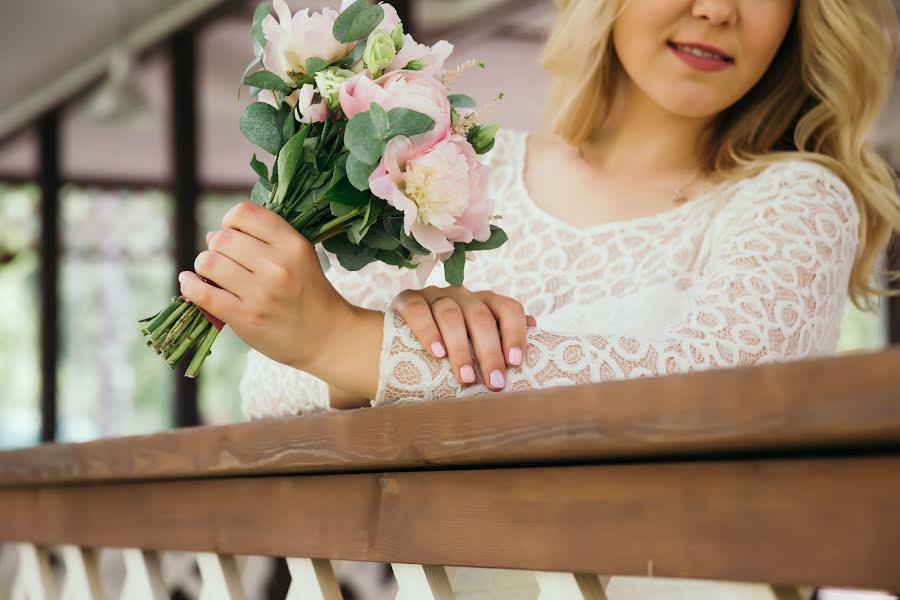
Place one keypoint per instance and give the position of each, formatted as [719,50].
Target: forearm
[349,361]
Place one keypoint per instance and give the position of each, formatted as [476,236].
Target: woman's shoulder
[793,181]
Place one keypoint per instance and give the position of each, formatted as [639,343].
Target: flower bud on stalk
[380,51]
[397,37]
[329,81]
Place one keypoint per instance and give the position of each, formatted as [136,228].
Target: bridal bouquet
[373,157]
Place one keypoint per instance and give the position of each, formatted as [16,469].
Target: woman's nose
[717,12]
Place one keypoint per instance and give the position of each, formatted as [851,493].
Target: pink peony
[433,57]
[442,192]
[268,96]
[307,112]
[294,39]
[402,89]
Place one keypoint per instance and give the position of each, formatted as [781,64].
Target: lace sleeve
[773,289]
[271,389]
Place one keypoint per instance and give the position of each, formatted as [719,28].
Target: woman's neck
[642,138]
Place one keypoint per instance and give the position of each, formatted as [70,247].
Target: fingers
[482,328]
[215,301]
[416,312]
[226,273]
[452,326]
[259,222]
[510,315]
[245,250]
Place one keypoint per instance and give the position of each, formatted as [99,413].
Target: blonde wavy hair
[846,52]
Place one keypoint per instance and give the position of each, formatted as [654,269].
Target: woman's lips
[701,57]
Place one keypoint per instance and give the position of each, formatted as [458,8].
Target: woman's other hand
[445,319]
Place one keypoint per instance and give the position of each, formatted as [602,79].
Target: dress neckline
[522,158]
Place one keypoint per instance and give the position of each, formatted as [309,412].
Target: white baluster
[422,582]
[81,580]
[312,579]
[565,586]
[143,578]
[221,579]
[34,580]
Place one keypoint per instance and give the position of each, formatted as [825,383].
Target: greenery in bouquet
[374,159]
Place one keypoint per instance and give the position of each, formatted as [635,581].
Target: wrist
[350,357]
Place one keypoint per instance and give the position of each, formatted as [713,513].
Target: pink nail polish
[438,350]
[181,276]
[515,355]
[497,379]
[468,374]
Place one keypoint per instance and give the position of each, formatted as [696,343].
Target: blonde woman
[703,197]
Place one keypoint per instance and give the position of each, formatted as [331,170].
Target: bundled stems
[182,327]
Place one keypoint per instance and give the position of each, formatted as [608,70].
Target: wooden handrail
[805,406]
[786,473]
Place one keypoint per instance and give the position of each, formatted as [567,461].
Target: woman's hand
[444,319]
[272,291]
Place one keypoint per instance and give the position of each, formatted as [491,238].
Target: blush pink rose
[401,89]
[442,192]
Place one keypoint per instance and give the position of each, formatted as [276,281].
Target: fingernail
[181,276]
[438,349]
[209,234]
[468,374]
[497,380]
[515,355]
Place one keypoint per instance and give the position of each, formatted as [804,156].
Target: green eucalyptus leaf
[252,64]
[380,120]
[309,150]
[288,126]
[259,124]
[339,210]
[314,65]
[461,101]
[257,38]
[259,194]
[360,227]
[455,266]
[259,167]
[358,173]
[289,162]
[357,21]
[379,238]
[497,239]
[354,57]
[351,257]
[408,122]
[267,80]
[394,257]
[344,192]
[362,139]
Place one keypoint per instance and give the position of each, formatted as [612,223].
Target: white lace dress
[755,271]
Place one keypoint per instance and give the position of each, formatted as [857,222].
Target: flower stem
[163,327]
[202,352]
[330,234]
[339,221]
[196,331]
[174,336]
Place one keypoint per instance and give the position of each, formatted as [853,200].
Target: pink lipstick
[701,56]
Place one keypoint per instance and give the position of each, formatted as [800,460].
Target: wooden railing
[784,474]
